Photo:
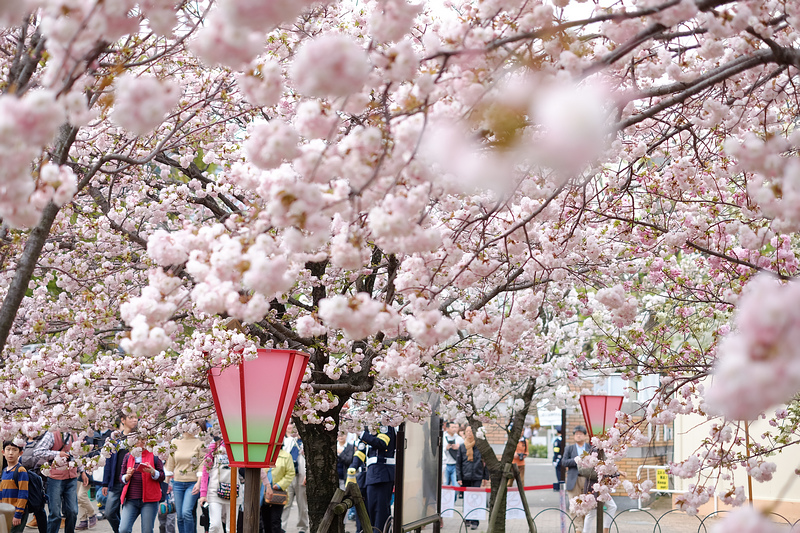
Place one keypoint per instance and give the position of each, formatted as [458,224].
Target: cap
[580,428]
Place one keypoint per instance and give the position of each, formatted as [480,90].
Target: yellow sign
[662,480]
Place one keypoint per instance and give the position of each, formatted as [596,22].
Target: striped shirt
[15,493]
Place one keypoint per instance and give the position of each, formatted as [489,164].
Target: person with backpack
[62,482]
[14,485]
[452,442]
[37,496]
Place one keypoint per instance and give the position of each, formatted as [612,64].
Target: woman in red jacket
[142,477]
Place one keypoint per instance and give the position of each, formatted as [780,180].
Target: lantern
[254,402]
[600,412]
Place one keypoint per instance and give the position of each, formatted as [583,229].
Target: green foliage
[538,451]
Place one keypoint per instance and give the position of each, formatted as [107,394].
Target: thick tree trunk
[24,271]
[496,465]
[319,446]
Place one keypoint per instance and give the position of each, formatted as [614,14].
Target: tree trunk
[319,446]
[496,465]
[33,246]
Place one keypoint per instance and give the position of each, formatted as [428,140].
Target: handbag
[588,473]
[279,497]
[224,490]
[205,517]
[167,506]
[224,486]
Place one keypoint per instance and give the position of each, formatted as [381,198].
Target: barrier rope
[488,489]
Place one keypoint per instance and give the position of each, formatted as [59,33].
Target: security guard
[558,452]
[379,452]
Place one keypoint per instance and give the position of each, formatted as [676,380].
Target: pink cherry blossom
[331,65]
[264,87]
[755,367]
[746,519]
[270,144]
[392,19]
[141,102]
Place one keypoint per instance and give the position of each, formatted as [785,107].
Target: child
[14,486]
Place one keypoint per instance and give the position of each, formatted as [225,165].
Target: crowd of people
[42,481]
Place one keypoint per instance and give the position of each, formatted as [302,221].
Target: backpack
[27,459]
[37,497]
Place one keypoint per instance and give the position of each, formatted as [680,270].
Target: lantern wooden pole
[252,495]
[234,510]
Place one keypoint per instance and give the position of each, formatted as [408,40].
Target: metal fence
[555,520]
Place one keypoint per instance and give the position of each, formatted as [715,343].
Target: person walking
[87,513]
[296,492]
[470,468]
[62,483]
[33,466]
[112,471]
[142,477]
[215,484]
[274,481]
[184,466]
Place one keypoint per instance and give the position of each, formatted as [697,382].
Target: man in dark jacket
[575,484]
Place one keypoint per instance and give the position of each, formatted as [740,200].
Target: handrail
[667,491]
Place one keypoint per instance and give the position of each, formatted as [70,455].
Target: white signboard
[549,418]
[475,505]
[448,502]
[514,510]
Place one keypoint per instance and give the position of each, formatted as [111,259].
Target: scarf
[469,443]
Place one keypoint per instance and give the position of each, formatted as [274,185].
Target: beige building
[780,495]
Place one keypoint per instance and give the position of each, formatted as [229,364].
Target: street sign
[549,418]
[662,479]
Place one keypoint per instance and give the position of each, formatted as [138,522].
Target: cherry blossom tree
[421,196]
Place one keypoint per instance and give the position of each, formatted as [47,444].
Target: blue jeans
[63,496]
[131,511]
[184,505]
[112,509]
[450,476]
[450,479]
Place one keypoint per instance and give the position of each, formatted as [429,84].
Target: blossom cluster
[756,363]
